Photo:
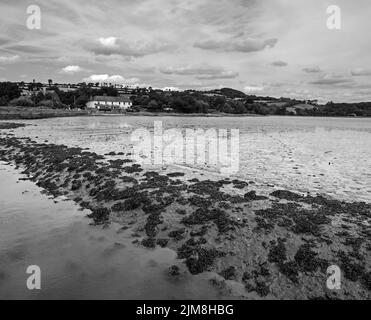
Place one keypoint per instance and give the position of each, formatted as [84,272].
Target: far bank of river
[23,113]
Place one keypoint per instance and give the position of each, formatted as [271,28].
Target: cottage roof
[112,99]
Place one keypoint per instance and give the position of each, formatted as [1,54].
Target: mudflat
[276,244]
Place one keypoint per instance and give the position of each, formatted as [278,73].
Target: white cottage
[109,103]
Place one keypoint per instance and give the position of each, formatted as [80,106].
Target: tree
[153,106]
[8,92]
[35,85]
[260,109]
[4,101]
[109,91]
[37,97]
[218,102]
[22,102]
[81,101]
[281,111]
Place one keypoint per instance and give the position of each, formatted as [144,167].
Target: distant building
[106,103]
[26,93]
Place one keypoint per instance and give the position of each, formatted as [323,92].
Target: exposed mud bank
[276,245]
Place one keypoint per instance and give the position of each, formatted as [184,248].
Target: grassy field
[13,113]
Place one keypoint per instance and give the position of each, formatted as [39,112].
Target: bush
[46,103]
[22,102]
[9,91]
[4,101]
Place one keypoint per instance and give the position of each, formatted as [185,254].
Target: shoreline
[24,113]
[276,245]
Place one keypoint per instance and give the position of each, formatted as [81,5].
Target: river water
[79,261]
[318,155]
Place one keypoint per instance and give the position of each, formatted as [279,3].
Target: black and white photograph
[185,150]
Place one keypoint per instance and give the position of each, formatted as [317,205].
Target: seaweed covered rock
[177,234]
[201,260]
[287,195]
[202,216]
[229,273]
[162,242]
[252,196]
[261,288]
[198,258]
[174,271]
[100,215]
[277,253]
[307,259]
[150,227]
[149,242]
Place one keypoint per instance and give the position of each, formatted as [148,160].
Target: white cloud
[252,89]
[127,48]
[72,69]
[9,59]
[108,42]
[110,79]
[171,89]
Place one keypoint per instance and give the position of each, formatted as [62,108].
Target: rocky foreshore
[275,246]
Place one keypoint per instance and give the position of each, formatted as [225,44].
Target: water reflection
[79,261]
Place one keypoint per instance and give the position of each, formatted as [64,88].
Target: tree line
[224,100]
[53,97]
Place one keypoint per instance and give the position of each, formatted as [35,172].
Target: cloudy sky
[265,47]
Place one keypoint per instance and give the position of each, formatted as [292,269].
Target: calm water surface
[78,261]
[324,155]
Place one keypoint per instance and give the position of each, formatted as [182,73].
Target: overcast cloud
[267,47]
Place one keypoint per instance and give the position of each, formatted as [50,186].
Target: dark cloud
[279,64]
[26,49]
[361,72]
[312,70]
[201,72]
[222,75]
[330,79]
[4,41]
[245,45]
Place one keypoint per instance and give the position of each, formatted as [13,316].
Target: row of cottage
[106,103]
